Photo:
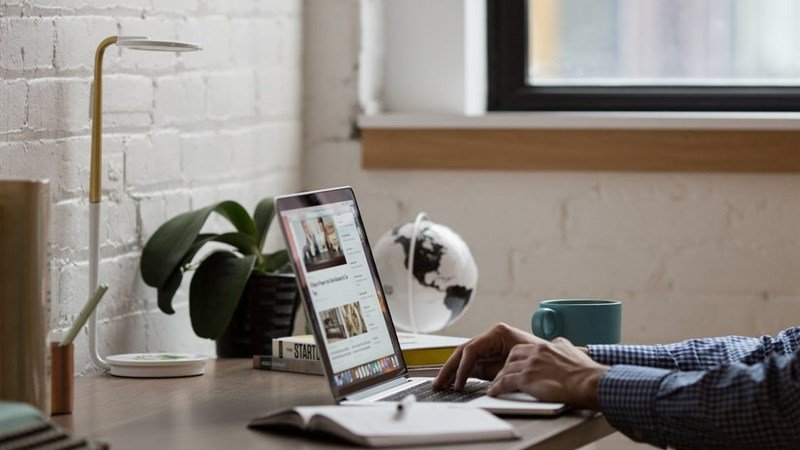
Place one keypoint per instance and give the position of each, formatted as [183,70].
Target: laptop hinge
[360,395]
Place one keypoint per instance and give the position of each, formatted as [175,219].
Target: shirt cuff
[627,397]
[633,355]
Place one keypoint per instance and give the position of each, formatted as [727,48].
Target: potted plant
[238,295]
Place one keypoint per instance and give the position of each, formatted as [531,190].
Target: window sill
[588,121]
[609,141]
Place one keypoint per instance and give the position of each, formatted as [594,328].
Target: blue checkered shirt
[728,392]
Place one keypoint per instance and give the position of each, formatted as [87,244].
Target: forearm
[733,405]
[699,354]
[692,354]
[633,355]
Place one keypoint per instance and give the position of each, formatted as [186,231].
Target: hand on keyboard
[425,393]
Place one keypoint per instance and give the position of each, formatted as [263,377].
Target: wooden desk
[211,412]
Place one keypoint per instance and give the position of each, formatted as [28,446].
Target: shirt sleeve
[731,406]
[699,354]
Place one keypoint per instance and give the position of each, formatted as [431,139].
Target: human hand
[482,356]
[552,372]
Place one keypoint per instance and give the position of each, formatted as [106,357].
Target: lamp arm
[97,121]
[94,250]
[95,170]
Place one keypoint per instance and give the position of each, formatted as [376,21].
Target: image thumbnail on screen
[343,322]
[321,245]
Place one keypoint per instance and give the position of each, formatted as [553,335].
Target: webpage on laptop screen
[349,308]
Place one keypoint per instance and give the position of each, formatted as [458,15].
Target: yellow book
[427,349]
[418,349]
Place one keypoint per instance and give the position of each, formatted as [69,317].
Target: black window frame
[508,90]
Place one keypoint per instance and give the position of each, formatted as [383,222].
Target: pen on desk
[404,404]
[87,310]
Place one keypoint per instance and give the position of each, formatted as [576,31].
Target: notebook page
[422,419]
[298,417]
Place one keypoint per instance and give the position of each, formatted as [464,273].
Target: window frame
[508,90]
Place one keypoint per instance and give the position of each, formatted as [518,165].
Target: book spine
[286,349]
[266,362]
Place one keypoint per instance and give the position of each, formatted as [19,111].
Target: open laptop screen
[343,294]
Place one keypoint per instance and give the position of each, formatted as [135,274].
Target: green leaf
[198,243]
[274,262]
[167,247]
[238,216]
[244,243]
[172,241]
[216,289]
[263,215]
[168,290]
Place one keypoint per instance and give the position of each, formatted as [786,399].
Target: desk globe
[438,290]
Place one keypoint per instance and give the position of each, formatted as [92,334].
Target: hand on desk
[518,361]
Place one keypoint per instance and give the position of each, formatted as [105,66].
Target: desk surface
[211,411]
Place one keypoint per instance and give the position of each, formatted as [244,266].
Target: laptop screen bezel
[325,197]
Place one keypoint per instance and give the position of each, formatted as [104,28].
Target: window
[645,55]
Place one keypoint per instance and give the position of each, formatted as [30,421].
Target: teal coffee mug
[582,321]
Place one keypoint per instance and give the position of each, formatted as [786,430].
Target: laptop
[347,308]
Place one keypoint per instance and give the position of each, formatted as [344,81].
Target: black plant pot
[266,311]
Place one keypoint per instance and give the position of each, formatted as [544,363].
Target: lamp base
[157,365]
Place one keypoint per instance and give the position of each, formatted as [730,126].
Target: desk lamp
[141,364]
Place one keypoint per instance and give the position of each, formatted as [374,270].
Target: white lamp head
[145,43]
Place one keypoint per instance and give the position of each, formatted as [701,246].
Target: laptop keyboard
[424,393]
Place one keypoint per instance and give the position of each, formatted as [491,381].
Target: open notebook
[383,426]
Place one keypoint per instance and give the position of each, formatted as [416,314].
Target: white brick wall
[179,99]
[181,131]
[35,36]
[14,95]
[689,254]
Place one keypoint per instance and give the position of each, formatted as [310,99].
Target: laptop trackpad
[518,397]
[517,402]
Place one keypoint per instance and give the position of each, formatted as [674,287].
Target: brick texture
[181,131]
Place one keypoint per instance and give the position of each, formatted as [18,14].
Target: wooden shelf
[581,149]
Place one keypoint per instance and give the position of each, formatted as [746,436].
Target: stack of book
[424,354]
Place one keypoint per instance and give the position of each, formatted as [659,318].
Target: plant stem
[260,263]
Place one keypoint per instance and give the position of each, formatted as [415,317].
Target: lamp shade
[143,43]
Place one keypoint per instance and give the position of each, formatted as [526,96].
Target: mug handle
[545,323]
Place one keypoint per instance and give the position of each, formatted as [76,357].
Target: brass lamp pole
[136,43]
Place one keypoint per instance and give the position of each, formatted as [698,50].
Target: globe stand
[410,275]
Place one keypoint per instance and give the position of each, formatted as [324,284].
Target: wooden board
[211,411]
[604,150]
